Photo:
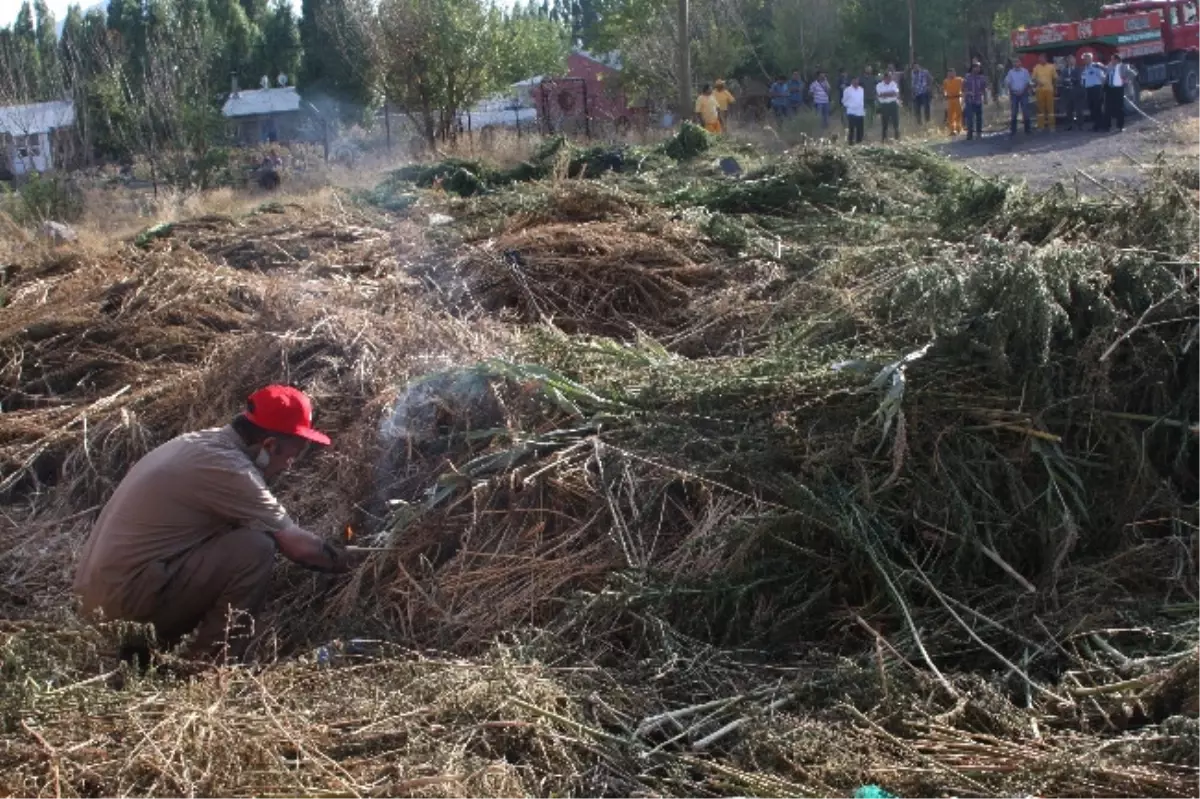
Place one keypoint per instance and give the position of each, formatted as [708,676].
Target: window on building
[28,146]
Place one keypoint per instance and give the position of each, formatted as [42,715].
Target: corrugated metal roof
[21,120]
[253,102]
[611,59]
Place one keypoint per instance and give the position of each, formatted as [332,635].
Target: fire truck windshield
[1182,14]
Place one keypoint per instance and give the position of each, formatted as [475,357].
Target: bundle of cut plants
[941,444]
[275,236]
[596,278]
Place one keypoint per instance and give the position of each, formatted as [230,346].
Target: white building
[37,137]
[265,114]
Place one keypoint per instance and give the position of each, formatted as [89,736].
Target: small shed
[265,115]
[38,137]
[588,99]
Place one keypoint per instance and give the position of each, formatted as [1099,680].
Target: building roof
[611,60]
[254,102]
[21,120]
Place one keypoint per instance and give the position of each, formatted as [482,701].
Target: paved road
[1044,158]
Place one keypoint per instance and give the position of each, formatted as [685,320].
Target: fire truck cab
[1160,39]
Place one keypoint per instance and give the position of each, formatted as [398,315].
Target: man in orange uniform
[952,90]
[1045,76]
[724,99]
[708,111]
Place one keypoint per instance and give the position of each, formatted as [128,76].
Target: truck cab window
[1189,12]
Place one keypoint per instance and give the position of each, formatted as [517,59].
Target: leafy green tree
[49,73]
[241,41]
[24,27]
[256,11]
[71,42]
[95,38]
[20,70]
[531,44]
[280,43]
[645,32]
[337,62]
[438,57]
[583,17]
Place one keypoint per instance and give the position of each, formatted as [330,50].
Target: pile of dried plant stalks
[276,236]
[907,448]
[596,278]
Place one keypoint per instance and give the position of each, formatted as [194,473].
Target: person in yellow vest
[952,90]
[724,99]
[1045,76]
[708,111]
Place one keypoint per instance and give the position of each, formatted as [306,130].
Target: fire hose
[1144,115]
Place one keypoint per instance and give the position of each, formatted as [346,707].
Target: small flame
[349,533]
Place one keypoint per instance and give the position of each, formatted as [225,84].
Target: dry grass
[364,718]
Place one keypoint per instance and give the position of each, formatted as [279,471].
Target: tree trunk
[967,42]
[685,62]
[803,54]
[912,49]
[989,57]
[430,130]
[154,172]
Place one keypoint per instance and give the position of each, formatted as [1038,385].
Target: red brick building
[587,100]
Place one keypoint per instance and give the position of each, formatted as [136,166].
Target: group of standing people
[1090,87]
[1099,89]
[788,96]
[865,96]
[868,96]
[712,107]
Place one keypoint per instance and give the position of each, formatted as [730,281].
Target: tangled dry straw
[376,720]
[597,278]
[768,485]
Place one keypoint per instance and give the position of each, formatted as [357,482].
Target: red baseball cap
[284,410]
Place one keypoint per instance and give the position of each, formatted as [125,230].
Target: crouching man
[188,540]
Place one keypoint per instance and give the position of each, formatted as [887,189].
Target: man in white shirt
[1119,74]
[856,111]
[887,95]
[821,91]
[1094,78]
[1018,81]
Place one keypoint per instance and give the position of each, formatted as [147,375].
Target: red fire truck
[1158,38]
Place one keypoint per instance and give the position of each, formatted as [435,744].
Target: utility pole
[685,63]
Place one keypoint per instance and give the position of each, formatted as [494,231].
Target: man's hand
[308,549]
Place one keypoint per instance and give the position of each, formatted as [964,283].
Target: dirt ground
[1072,156]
